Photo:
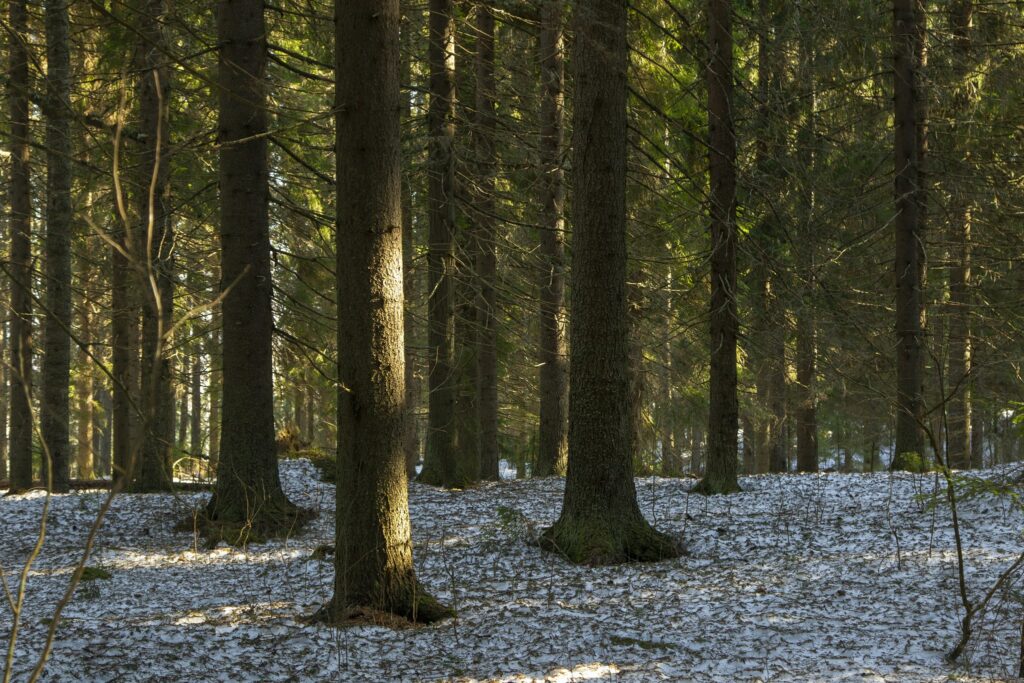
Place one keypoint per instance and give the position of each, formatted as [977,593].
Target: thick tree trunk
[411,440]
[723,421]
[373,563]
[157,286]
[248,493]
[600,521]
[553,445]
[19,193]
[909,236]
[54,406]
[440,466]
[487,240]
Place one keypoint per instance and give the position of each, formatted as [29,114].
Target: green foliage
[95,574]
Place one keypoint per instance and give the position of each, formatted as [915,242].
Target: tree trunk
[54,410]
[909,236]
[124,323]
[248,493]
[440,466]
[487,238]
[195,446]
[600,521]
[21,427]
[184,417]
[373,563]
[5,392]
[411,440]
[214,389]
[157,286]
[958,379]
[554,386]
[723,421]
[84,457]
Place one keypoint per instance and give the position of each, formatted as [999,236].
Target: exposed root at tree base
[421,609]
[706,487]
[602,541]
[239,528]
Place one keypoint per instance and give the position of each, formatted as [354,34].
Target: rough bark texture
[487,239]
[958,378]
[411,440]
[723,422]
[157,287]
[553,444]
[440,466]
[20,269]
[248,490]
[54,408]
[909,229]
[124,324]
[806,323]
[600,521]
[373,562]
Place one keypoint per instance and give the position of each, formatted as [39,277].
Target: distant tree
[909,253]
[552,446]
[248,494]
[723,422]
[20,269]
[54,418]
[152,187]
[440,464]
[601,522]
[373,562]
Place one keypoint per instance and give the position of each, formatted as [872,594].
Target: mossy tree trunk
[55,406]
[723,422]
[248,490]
[553,444]
[600,521]
[20,197]
[373,562]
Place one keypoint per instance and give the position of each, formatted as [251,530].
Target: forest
[512,340]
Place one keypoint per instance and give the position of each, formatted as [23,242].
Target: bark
[373,562]
[184,417]
[553,444]
[5,392]
[214,389]
[909,235]
[101,431]
[84,457]
[157,286]
[806,322]
[600,522]
[54,412]
[124,321]
[20,269]
[487,240]
[412,362]
[440,467]
[195,446]
[958,378]
[248,491]
[723,422]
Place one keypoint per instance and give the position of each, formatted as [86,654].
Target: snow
[828,577]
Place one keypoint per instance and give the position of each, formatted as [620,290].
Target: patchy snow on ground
[825,577]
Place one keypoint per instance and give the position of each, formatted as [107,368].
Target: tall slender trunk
[723,421]
[958,376]
[157,286]
[184,396]
[54,406]
[248,494]
[487,238]
[5,393]
[195,446]
[373,563]
[214,390]
[125,352]
[440,466]
[806,319]
[84,456]
[554,385]
[600,522]
[909,234]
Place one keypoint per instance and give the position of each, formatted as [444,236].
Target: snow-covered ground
[800,578]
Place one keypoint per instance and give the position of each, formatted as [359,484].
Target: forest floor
[827,577]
